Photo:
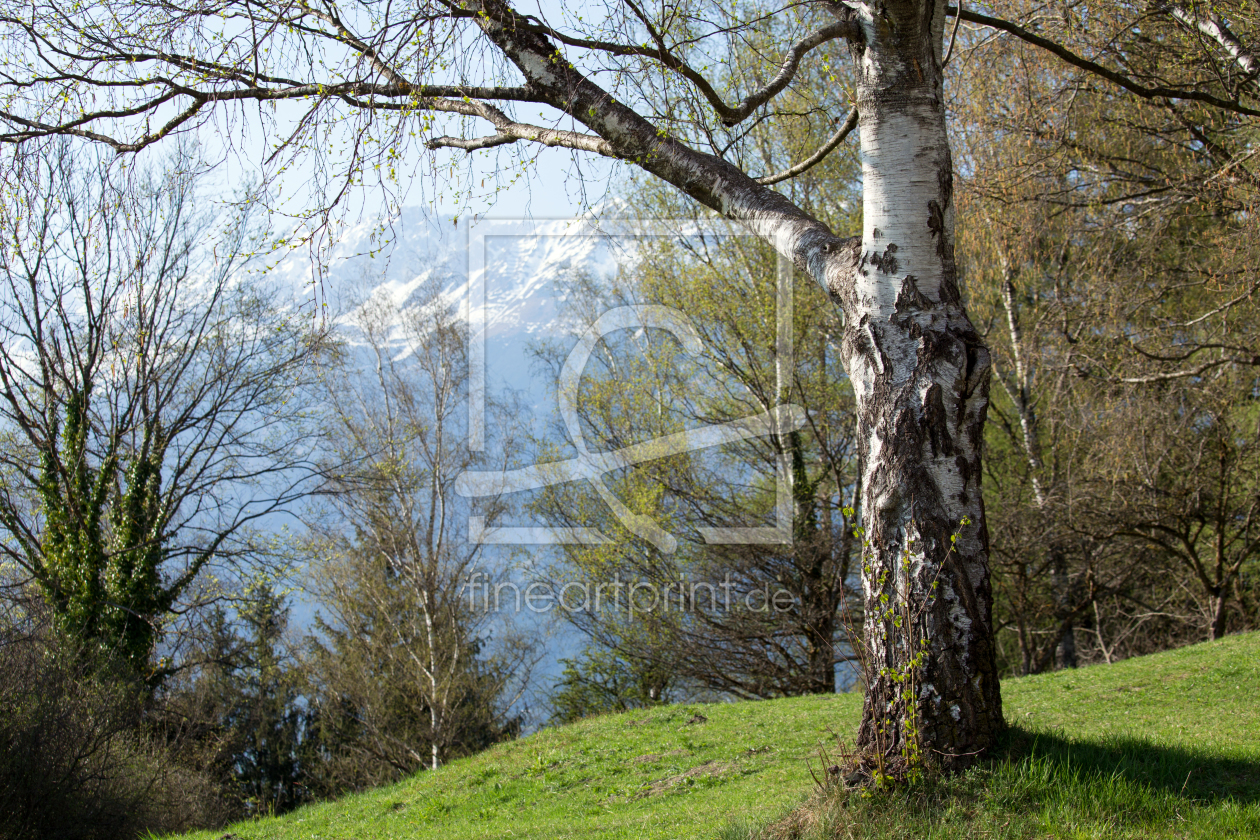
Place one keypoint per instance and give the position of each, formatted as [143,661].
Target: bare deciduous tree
[404,654]
[151,393]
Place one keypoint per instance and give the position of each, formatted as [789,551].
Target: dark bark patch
[978,362]
[887,261]
[840,273]
[935,347]
[945,181]
[859,342]
[935,421]
[910,299]
[936,225]
[949,285]
[964,469]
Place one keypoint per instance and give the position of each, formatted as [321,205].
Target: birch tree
[402,654]
[649,86]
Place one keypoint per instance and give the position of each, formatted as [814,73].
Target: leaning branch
[508,131]
[710,180]
[730,115]
[456,99]
[1158,92]
[516,132]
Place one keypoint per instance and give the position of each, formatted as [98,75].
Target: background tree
[151,392]
[1110,261]
[1187,494]
[79,761]
[240,707]
[404,673]
[702,634]
[600,681]
[724,287]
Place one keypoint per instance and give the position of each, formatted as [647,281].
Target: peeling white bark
[920,373]
[919,368]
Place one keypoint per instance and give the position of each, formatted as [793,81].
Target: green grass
[1162,746]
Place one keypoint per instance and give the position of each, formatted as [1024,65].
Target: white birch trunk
[920,369]
[1213,26]
[920,372]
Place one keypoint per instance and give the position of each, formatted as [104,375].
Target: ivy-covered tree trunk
[102,545]
[153,396]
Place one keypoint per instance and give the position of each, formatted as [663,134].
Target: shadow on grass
[1044,784]
[1195,775]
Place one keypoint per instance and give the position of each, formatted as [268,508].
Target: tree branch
[514,132]
[827,148]
[1214,27]
[714,182]
[447,98]
[730,115]
[1177,374]
[1158,92]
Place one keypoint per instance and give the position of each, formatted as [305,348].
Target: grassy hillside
[1166,745]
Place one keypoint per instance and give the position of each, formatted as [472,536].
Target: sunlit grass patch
[1162,746]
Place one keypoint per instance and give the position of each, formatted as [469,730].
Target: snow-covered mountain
[506,275]
[509,280]
[520,262]
[509,276]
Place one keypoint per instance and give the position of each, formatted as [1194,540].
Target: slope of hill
[1162,746]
